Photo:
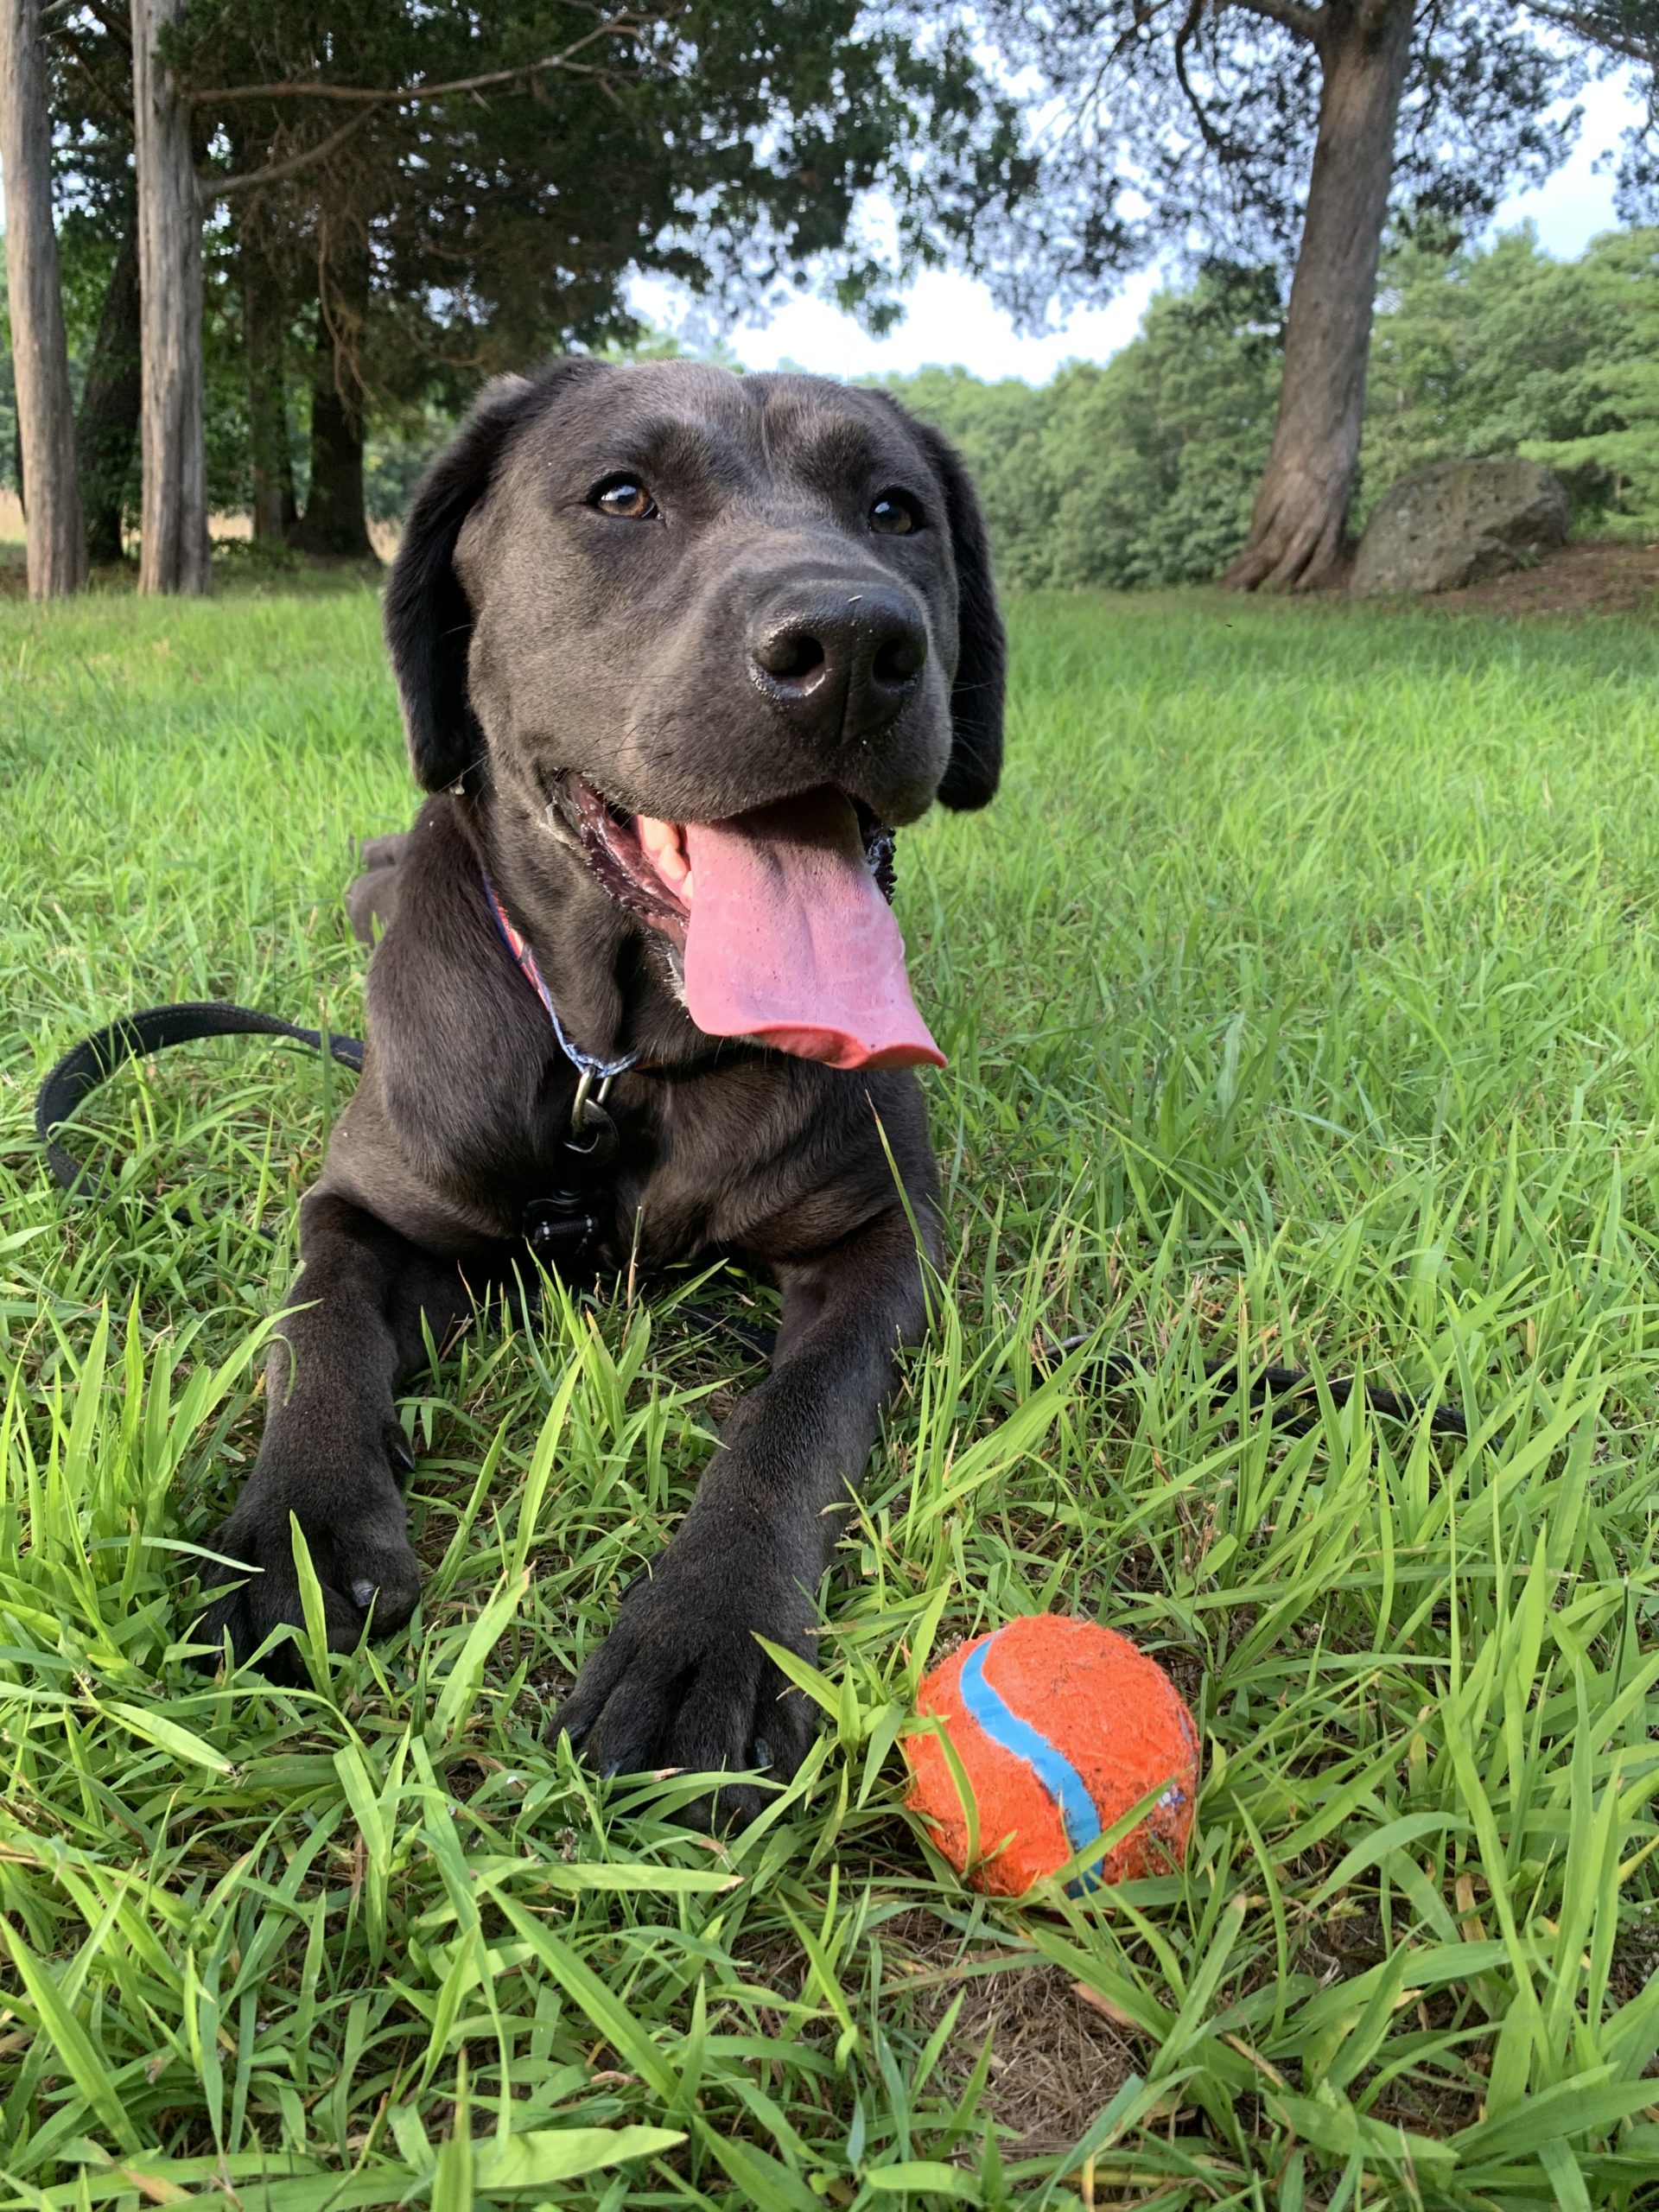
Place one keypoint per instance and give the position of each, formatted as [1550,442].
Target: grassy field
[1300,996]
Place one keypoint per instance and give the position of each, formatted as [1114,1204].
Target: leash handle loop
[152,1029]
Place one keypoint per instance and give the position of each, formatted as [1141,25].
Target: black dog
[677,651]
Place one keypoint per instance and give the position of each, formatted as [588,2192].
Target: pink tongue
[790,941]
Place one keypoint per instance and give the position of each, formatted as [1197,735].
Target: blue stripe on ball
[1046,1761]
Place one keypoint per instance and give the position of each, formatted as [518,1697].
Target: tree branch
[624,24]
[1589,23]
[210,187]
[1183,38]
[64,10]
[1302,21]
[1295,16]
[117,104]
[367,99]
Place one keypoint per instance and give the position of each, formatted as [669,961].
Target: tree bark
[1298,528]
[333,522]
[263,319]
[106,433]
[56,539]
[173,525]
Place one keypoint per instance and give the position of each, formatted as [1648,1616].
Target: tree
[106,428]
[438,193]
[1142,472]
[97,252]
[1610,456]
[173,551]
[1287,132]
[1299,521]
[261,266]
[334,521]
[410,197]
[45,428]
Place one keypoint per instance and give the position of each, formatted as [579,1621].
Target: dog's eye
[894,514]
[622,497]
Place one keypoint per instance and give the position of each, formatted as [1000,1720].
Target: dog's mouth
[643,861]
[781,915]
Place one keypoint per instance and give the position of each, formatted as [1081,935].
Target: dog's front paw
[681,1680]
[356,1529]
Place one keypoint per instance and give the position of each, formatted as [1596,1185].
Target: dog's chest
[701,1166]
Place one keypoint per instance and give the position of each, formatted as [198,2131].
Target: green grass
[1301,996]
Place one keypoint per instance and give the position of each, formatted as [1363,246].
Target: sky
[950,318]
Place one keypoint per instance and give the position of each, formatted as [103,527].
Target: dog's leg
[681,1680]
[334,1454]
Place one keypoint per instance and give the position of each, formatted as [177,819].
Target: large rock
[1458,520]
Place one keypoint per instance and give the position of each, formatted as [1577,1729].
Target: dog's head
[651,599]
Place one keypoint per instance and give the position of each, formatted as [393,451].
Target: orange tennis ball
[1061,1727]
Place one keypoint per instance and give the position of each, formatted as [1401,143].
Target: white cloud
[948,318]
[1577,201]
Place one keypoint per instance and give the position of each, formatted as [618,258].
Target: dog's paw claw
[682,1684]
[359,1553]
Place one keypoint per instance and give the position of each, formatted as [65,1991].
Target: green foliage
[725,146]
[1143,472]
[430,241]
[1613,449]
[1157,459]
[1140,473]
[1298,994]
[1502,350]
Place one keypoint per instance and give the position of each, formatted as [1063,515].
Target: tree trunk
[1298,528]
[263,329]
[173,525]
[333,522]
[40,354]
[106,434]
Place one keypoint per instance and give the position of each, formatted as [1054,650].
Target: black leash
[558,1227]
[80,1070]
[567,1218]
[1288,1395]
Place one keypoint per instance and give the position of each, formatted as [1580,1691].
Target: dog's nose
[860,653]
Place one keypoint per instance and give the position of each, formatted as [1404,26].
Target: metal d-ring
[584,1090]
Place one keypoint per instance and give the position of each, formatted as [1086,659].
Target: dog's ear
[975,763]
[429,623]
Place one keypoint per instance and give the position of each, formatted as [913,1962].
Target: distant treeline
[1142,472]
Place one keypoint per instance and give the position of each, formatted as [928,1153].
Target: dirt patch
[1056,2060]
[1588,576]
